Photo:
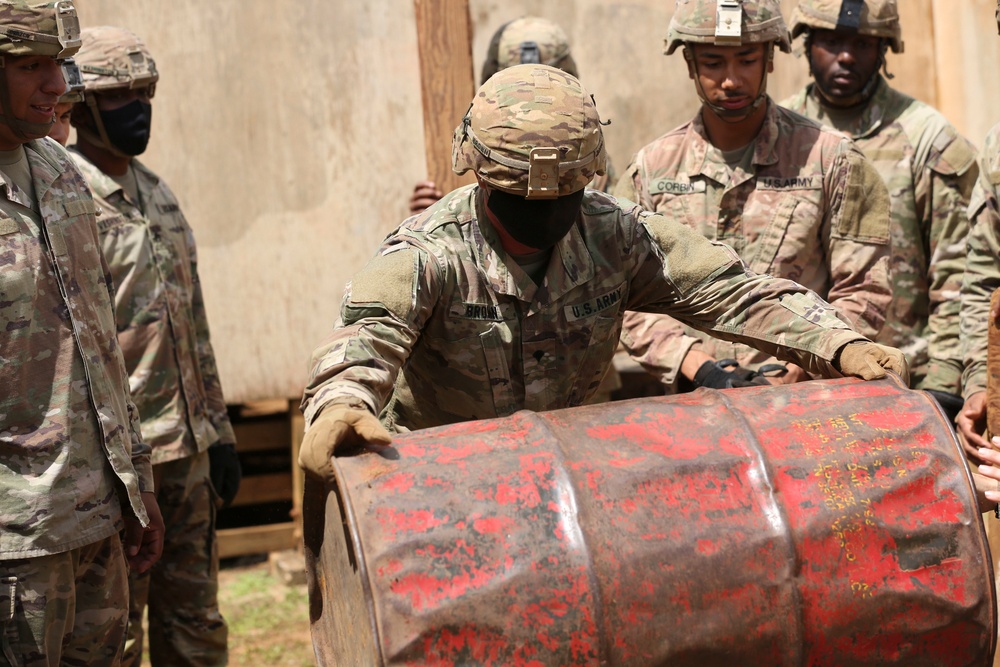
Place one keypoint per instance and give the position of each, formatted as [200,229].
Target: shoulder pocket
[954,156]
[689,258]
[863,212]
[388,281]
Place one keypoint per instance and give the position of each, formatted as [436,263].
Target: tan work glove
[869,361]
[337,430]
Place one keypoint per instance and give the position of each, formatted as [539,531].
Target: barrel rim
[980,524]
[363,570]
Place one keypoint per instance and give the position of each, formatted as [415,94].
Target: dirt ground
[268,619]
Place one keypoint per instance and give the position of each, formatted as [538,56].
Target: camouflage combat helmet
[528,40]
[874,18]
[49,29]
[113,57]
[532,131]
[727,23]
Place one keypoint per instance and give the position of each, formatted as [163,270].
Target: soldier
[982,278]
[529,39]
[793,199]
[509,294]
[928,167]
[74,93]
[73,468]
[163,332]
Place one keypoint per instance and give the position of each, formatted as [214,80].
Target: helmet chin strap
[861,96]
[732,116]
[22,129]
[101,137]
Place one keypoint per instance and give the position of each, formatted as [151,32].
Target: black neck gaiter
[537,223]
[128,127]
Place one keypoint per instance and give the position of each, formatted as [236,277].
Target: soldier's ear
[689,59]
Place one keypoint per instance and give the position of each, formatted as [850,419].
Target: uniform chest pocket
[793,232]
[592,361]
[465,321]
[684,207]
[475,341]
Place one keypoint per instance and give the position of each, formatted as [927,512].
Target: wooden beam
[262,434]
[256,539]
[256,489]
[444,40]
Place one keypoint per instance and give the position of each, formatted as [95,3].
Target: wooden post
[444,39]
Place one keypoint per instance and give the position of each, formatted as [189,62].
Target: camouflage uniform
[930,171]
[509,294]
[73,460]
[443,325]
[800,203]
[164,335]
[67,403]
[982,271]
[810,208]
[476,338]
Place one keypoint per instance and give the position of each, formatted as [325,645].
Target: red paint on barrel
[492,525]
[418,521]
[827,523]
[400,483]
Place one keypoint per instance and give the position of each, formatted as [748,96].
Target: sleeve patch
[955,158]
[814,310]
[388,280]
[691,259]
[864,209]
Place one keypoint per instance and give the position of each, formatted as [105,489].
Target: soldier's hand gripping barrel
[824,523]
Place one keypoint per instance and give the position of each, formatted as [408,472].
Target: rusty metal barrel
[827,523]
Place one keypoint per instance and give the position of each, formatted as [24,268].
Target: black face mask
[537,223]
[128,126]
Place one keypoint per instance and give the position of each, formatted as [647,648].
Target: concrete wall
[293,137]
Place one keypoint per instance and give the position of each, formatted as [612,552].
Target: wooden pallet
[274,427]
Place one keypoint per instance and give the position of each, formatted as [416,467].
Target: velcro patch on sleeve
[388,280]
[691,259]
[864,211]
[955,157]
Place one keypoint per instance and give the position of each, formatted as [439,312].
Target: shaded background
[292,133]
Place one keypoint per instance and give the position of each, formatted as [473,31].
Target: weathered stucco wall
[292,137]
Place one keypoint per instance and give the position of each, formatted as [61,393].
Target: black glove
[951,404]
[225,471]
[726,374]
